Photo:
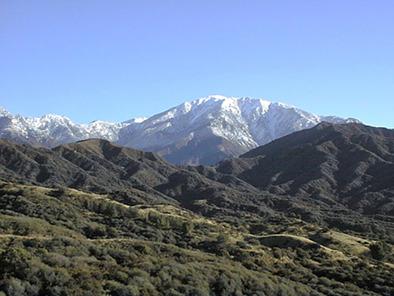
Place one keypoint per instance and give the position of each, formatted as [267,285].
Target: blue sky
[114,60]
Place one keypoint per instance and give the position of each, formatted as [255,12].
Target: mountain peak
[227,99]
[4,112]
[201,131]
[50,120]
[208,129]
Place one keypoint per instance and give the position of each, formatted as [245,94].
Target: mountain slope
[119,221]
[349,163]
[300,176]
[92,165]
[203,131]
[52,130]
[210,129]
[69,242]
[131,175]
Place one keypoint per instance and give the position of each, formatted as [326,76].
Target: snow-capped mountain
[51,130]
[202,131]
[210,129]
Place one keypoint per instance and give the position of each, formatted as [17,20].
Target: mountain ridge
[229,126]
[350,165]
[338,162]
[313,210]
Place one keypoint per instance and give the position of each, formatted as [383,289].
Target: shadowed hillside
[352,164]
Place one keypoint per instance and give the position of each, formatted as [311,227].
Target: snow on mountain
[4,112]
[202,131]
[103,129]
[51,130]
[134,120]
[212,128]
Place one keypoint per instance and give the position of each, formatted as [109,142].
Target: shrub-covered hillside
[61,241]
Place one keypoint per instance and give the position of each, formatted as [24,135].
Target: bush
[379,250]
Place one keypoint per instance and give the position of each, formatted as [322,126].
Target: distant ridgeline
[204,131]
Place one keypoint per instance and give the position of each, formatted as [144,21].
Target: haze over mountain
[203,131]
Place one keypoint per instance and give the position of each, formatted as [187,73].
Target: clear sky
[114,60]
